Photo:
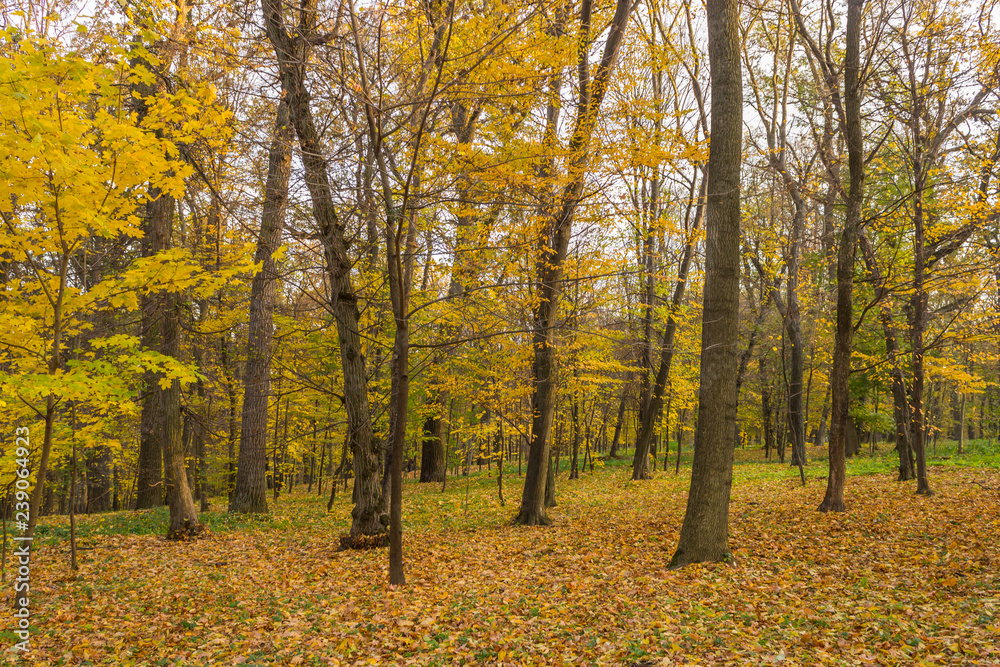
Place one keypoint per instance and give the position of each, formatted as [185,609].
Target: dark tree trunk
[183,515]
[918,317]
[397,435]
[99,491]
[613,453]
[432,463]
[824,415]
[292,69]
[386,474]
[322,461]
[834,497]
[199,443]
[552,255]
[149,484]
[900,403]
[574,469]
[550,482]
[705,532]
[852,443]
[232,415]
[765,406]
[680,444]
[793,328]
[250,490]
[741,370]
[961,425]
[789,307]
[654,405]
[275,464]
[187,435]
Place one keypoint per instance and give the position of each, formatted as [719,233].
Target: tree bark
[705,532]
[765,406]
[552,254]
[158,215]
[918,324]
[432,463]
[613,452]
[550,482]
[900,403]
[149,484]
[574,468]
[292,69]
[183,515]
[250,490]
[777,143]
[834,497]
[654,405]
[397,435]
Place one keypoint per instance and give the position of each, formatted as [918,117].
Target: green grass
[154,522]
[472,502]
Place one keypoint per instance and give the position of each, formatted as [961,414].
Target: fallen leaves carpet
[897,579]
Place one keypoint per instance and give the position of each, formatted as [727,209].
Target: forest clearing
[896,580]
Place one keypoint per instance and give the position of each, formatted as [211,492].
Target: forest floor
[897,579]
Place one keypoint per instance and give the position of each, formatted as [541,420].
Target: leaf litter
[897,579]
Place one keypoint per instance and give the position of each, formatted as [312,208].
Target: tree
[705,532]
[61,199]
[250,491]
[851,115]
[401,230]
[777,134]
[691,148]
[553,244]
[292,54]
[930,118]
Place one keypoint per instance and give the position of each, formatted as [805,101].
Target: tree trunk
[99,487]
[156,230]
[852,444]
[705,532]
[900,404]
[574,469]
[397,422]
[834,497]
[666,429]
[918,314]
[961,425]
[680,445]
[793,328]
[202,468]
[823,416]
[550,482]
[552,255]
[654,405]
[250,490]
[275,464]
[183,515]
[432,463]
[613,453]
[765,406]
[292,68]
